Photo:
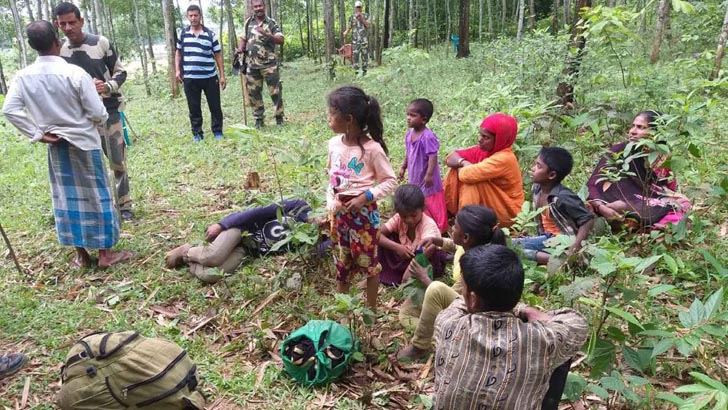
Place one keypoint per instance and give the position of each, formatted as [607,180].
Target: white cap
[357,4]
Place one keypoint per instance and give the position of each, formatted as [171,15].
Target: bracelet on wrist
[460,162]
[369,195]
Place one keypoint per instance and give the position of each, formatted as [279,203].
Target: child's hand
[610,213]
[428,181]
[400,176]
[418,272]
[404,252]
[212,232]
[430,242]
[355,205]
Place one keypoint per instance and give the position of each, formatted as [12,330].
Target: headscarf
[505,129]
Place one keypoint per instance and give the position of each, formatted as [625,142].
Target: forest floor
[233,329]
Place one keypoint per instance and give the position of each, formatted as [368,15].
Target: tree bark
[662,14]
[464,33]
[329,29]
[309,30]
[480,21]
[490,18]
[531,15]
[390,32]
[721,48]
[30,10]
[521,12]
[317,32]
[565,89]
[47,10]
[249,8]
[150,44]
[140,45]
[300,30]
[412,23]
[232,35]
[555,19]
[3,83]
[169,42]
[567,12]
[342,18]
[448,21]
[504,9]
[19,34]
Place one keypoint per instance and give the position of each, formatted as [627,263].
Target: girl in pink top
[359,175]
[422,146]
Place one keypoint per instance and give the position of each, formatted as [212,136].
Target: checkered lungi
[83,205]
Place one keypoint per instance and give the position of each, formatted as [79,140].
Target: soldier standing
[95,55]
[260,36]
[358,25]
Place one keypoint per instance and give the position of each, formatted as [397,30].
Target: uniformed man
[260,36]
[358,25]
[95,55]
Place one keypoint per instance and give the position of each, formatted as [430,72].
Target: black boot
[258,123]
[279,120]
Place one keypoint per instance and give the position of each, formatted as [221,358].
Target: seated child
[475,225]
[565,214]
[404,233]
[228,245]
[491,353]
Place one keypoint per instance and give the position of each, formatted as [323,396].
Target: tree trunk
[531,15]
[221,30]
[390,32]
[329,29]
[30,10]
[480,21]
[3,83]
[521,12]
[555,19]
[662,13]
[300,30]
[464,33]
[427,25]
[504,8]
[434,17]
[490,18]
[342,18]
[412,26]
[378,29]
[448,20]
[169,42]
[19,34]
[309,30]
[140,44]
[47,10]
[111,24]
[565,89]
[317,32]
[567,12]
[150,45]
[232,35]
[721,48]
[38,9]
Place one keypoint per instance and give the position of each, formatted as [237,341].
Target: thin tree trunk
[378,29]
[30,10]
[3,83]
[328,10]
[342,18]
[480,21]
[169,42]
[111,22]
[150,45]
[555,19]
[662,13]
[521,12]
[567,12]
[721,48]
[448,20]
[434,16]
[317,32]
[412,26]
[309,30]
[39,9]
[232,35]
[490,18]
[464,33]
[140,44]
[427,25]
[47,10]
[94,23]
[565,89]
[19,34]
[504,8]
[300,30]
[390,32]
[531,15]
[222,26]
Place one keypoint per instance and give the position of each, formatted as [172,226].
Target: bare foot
[175,257]
[82,259]
[411,353]
[108,258]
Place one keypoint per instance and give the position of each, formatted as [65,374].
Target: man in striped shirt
[491,353]
[197,53]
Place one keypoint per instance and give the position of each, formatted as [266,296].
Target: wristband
[369,195]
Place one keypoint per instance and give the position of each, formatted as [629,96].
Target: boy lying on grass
[491,352]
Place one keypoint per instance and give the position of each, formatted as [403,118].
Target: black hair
[481,224]
[193,7]
[558,160]
[365,110]
[423,107]
[65,8]
[495,274]
[408,198]
[41,35]
[652,116]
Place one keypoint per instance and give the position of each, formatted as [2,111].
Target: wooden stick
[10,248]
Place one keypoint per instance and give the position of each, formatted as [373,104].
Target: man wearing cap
[358,25]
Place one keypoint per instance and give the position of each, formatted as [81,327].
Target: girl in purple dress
[421,147]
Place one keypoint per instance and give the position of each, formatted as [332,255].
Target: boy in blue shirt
[565,212]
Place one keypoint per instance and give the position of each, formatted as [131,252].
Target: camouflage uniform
[96,56]
[359,42]
[262,65]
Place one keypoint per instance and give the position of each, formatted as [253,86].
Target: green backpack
[124,370]
[319,352]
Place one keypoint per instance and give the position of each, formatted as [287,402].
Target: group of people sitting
[479,329]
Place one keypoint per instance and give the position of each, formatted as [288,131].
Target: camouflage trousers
[254,78]
[360,53]
[113,138]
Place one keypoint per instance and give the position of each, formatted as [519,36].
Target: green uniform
[96,56]
[359,41]
[262,66]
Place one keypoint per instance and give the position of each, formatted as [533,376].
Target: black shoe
[258,123]
[279,120]
[126,215]
[10,364]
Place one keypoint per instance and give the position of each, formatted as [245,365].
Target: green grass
[179,188]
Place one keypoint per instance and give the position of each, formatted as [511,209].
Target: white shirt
[53,96]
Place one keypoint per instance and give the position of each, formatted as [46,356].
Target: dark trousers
[557,383]
[193,90]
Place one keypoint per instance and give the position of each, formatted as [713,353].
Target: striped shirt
[494,360]
[198,53]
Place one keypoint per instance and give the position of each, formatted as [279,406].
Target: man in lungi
[55,102]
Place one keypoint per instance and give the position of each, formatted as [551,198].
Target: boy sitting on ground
[492,353]
[565,214]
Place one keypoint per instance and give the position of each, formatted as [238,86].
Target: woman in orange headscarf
[488,173]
